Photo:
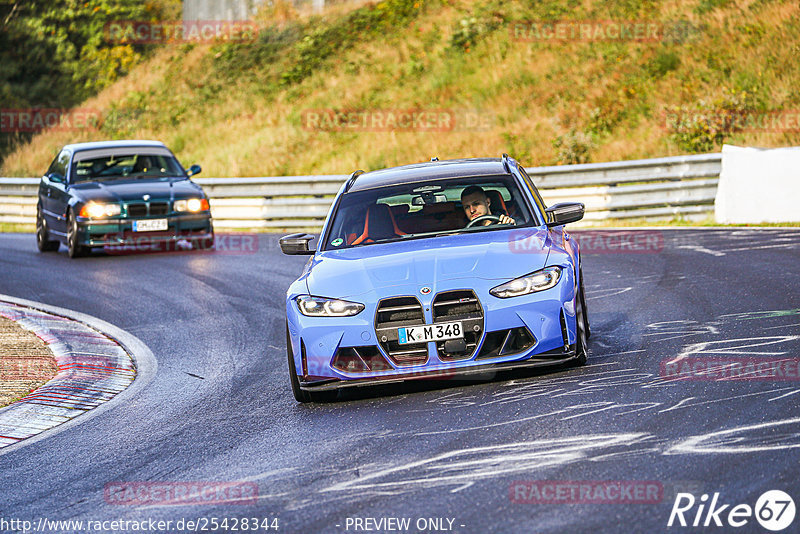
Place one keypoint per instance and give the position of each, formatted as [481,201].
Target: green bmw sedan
[120,194]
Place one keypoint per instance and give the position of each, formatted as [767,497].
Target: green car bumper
[120,232]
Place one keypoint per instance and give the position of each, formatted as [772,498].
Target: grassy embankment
[25,362]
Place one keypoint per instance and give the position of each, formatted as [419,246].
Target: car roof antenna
[506,164]
[352,180]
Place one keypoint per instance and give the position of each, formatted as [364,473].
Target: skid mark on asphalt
[725,242]
[678,329]
[770,436]
[464,466]
[701,249]
[784,395]
[608,292]
[760,315]
[687,402]
[735,347]
[461,468]
[599,379]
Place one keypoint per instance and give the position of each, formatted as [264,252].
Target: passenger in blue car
[477,204]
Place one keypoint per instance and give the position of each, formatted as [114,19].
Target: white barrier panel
[758,185]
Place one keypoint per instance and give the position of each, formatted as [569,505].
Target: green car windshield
[127,165]
[421,209]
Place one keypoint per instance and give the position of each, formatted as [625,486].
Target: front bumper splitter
[545,359]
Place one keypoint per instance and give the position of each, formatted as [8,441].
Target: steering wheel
[494,218]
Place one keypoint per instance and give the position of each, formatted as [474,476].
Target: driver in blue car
[476,204]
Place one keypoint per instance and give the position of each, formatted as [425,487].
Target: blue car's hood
[402,268]
[134,189]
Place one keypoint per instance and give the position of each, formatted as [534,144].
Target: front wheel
[76,250]
[43,241]
[299,394]
[582,327]
[583,305]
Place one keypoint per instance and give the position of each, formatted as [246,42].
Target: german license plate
[429,332]
[150,225]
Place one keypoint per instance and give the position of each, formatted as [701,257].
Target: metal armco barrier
[684,186]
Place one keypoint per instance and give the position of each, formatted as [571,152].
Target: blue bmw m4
[439,269]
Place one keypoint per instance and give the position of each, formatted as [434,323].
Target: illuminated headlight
[192,205]
[96,210]
[322,307]
[530,283]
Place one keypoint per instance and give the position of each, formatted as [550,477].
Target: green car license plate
[150,225]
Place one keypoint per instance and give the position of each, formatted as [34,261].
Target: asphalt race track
[470,457]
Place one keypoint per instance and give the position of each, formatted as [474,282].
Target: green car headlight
[192,205]
[96,210]
[322,307]
[530,283]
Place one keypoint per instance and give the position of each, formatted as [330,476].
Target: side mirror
[56,178]
[297,244]
[564,212]
[194,169]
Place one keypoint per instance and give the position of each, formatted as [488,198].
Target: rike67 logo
[774,510]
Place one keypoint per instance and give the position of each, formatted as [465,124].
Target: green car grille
[145,209]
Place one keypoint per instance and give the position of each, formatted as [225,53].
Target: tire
[43,241]
[210,242]
[583,304]
[76,250]
[299,394]
[582,326]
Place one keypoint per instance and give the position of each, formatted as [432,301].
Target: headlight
[322,307]
[530,283]
[192,205]
[95,210]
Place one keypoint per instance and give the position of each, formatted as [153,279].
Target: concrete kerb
[143,359]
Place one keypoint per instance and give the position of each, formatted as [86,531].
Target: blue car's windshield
[129,165]
[426,209]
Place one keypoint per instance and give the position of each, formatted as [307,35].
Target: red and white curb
[93,368]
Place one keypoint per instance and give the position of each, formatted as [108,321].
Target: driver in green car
[476,204]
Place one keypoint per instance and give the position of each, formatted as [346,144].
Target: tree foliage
[54,53]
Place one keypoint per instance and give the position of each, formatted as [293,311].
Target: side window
[59,165]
